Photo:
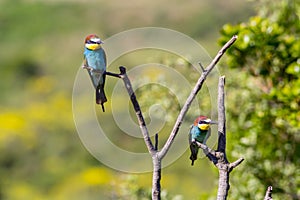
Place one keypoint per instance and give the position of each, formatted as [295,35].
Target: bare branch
[137,109]
[223,164]
[221,116]
[201,66]
[210,153]
[112,74]
[156,178]
[156,142]
[205,148]
[235,163]
[192,95]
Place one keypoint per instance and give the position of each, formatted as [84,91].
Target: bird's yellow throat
[204,127]
[93,46]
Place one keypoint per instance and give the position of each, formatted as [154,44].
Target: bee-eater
[200,132]
[95,63]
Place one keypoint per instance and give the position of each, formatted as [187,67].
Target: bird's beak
[213,122]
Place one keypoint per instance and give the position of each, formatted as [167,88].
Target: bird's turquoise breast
[198,134]
[96,59]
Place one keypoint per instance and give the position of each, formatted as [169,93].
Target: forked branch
[218,157]
[157,155]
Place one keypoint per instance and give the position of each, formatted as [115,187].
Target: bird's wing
[207,136]
[93,75]
[105,61]
[105,64]
[190,134]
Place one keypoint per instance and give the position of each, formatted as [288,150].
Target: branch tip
[203,70]
[122,70]
[268,195]
[236,163]
[156,142]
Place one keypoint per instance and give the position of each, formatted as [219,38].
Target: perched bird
[200,132]
[95,63]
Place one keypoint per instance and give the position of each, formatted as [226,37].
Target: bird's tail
[194,152]
[100,96]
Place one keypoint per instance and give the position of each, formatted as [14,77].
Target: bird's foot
[87,67]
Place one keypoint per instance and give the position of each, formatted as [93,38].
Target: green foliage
[265,113]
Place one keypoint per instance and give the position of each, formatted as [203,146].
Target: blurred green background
[41,43]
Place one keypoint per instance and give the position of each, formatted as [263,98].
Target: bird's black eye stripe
[203,122]
[92,42]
